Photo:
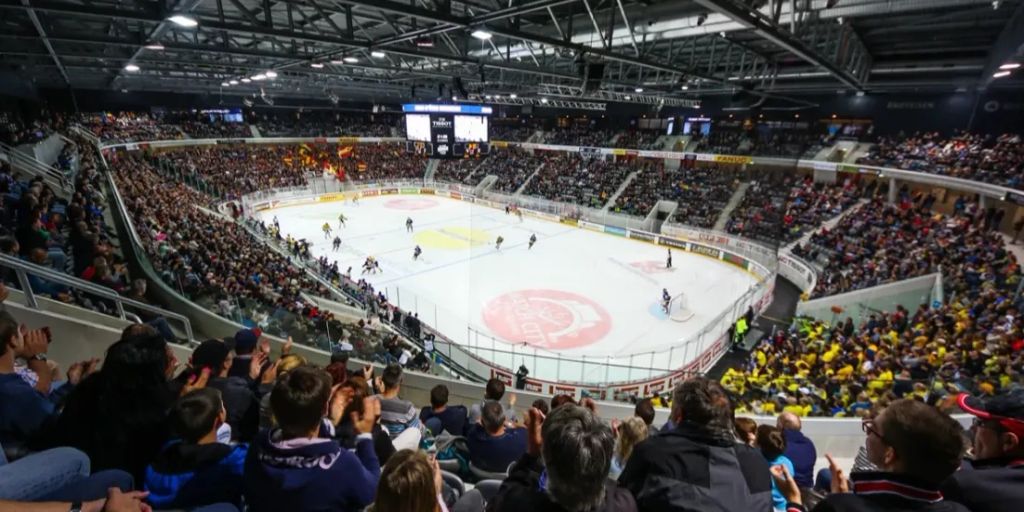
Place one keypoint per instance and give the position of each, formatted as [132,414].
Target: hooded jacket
[309,475]
[188,475]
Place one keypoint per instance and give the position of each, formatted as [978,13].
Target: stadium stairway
[734,201]
[432,164]
[255,131]
[22,160]
[620,190]
[526,182]
[828,224]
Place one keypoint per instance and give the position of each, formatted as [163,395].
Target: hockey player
[337,243]
[368,264]
[497,244]
[533,240]
[519,214]
[341,220]
[668,261]
[327,231]
[416,253]
[408,224]
[666,299]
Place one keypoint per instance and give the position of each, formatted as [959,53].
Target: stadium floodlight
[628,98]
[182,20]
[246,80]
[482,35]
[133,68]
[259,77]
[317,65]
[154,46]
[378,55]
[1009,66]
[639,89]
[225,84]
[233,82]
[543,100]
[351,60]
[513,96]
[271,74]
[686,87]
[1001,74]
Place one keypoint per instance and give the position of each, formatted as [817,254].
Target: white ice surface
[451,288]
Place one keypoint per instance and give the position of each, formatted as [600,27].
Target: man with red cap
[995,482]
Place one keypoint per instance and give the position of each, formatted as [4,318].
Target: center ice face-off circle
[453,237]
[548,319]
[410,203]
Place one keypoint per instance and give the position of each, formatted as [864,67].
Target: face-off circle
[549,319]
[410,203]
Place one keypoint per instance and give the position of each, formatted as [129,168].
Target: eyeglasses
[868,426]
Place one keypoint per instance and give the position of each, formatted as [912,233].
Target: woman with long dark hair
[118,416]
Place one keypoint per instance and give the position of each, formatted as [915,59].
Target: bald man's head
[789,421]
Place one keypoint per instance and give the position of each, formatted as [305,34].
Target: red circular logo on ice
[411,203]
[650,266]
[549,319]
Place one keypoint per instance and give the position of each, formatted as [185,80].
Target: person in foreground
[698,465]
[295,467]
[411,482]
[995,481]
[565,467]
[916,448]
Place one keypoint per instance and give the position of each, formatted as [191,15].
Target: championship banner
[733,159]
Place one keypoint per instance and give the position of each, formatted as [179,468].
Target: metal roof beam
[1009,45]
[764,27]
[46,41]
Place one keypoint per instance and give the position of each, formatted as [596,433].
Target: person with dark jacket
[244,346]
[698,465]
[916,446]
[293,467]
[493,446]
[799,449]
[565,467]
[241,395]
[995,481]
[439,416]
[197,469]
[345,432]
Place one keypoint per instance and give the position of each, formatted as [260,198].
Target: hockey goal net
[679,308]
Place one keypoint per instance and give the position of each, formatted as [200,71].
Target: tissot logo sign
[441,123]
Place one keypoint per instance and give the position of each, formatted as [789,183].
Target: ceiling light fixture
[133,68]
[154,47]
[378,55]
[351,60]
[639,89]
[271,74]
[513,96]
[233,82]
[482,35]
[182,20]
[1009,65]
[543,100]
[316,65]
[1001,74]
[225,84]
[259,77]
[246,80]
[686,87]
[628,98]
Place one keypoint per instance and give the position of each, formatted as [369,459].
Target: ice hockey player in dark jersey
[416,253]
[408,224]
[498,242]
[666,299]
[533,240]
[337,243]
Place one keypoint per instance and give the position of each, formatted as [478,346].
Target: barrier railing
[25,162]
[122,306]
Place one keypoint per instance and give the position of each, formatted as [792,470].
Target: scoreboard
[447,131]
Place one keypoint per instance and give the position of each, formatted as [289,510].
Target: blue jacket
[188,475]
[309,475]
[800,450]
[24,410]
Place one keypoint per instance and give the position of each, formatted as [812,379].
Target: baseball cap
[210,354]
[1006,408]
[246,340]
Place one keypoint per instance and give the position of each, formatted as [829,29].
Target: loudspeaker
[592,76]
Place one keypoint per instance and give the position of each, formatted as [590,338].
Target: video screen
[470,128]
[417,127]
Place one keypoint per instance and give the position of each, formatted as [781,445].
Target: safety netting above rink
[604,376]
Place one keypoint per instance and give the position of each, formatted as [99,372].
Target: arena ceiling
[386,50]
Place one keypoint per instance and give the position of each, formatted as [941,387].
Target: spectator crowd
[998,160]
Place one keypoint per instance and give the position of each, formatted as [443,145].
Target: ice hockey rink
[575,294]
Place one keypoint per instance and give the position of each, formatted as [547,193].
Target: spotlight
[246,80]
[997,75]
[1009,66]
[154,46]
[378,55]
[628,98]
[317,65]
[686,87]
[225,84]
[351,60]
[233,82]
[182,20]
[639,89]
[133,68]
[482,35]
[543,100]
[258,77]
[513,96]
[271,74]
